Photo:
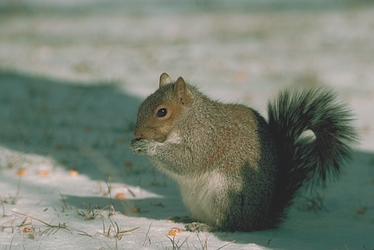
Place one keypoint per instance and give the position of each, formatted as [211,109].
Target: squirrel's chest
[205,195]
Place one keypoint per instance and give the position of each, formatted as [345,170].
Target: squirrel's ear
[164,79]
[181,91]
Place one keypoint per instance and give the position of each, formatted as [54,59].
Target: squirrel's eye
[162,112]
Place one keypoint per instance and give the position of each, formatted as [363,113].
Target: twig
[18,189]
[175,244]
[147,237]
[2,205]
[64,205]
[203,245]
[118,233]
[80,232]
[225,245]
[57,227]
[11,242]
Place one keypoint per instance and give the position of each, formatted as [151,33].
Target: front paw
[140,146]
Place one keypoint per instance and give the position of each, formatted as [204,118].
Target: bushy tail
[313,135]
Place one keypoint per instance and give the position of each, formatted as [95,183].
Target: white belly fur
[200,196]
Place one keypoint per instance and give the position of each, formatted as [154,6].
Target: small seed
[43,173]
[27,230]
[120,196]
[21,172]
[73,173]
[172,233]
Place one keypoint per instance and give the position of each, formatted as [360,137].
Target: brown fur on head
[160,111]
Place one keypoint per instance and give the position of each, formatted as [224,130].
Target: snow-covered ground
[72,74]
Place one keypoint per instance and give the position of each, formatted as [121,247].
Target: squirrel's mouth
[160,139]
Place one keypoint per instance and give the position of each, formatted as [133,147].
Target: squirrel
[236,171]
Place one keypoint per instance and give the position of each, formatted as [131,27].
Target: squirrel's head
[159,113]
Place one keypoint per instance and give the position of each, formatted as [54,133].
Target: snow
[72,75]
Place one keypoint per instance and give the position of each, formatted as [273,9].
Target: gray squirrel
[236,171]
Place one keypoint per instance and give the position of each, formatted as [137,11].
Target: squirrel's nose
[138,135]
